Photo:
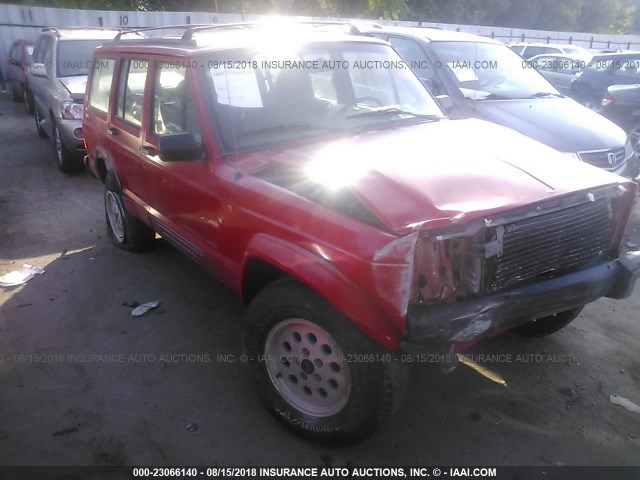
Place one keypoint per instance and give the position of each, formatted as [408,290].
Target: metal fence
[25,22]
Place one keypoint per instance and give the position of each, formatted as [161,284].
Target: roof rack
[57,29]
[189,29]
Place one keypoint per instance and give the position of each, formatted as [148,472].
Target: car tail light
[607,100]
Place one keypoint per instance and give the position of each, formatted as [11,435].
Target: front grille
[609,159]
[553,243]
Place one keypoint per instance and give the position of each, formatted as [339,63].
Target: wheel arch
[269,258]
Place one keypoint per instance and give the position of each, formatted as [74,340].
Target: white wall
[18,21]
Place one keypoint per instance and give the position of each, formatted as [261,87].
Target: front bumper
[442,326]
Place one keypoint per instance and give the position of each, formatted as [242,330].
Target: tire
[67,162]
[27,101]
[41,132]
[544,326]
[126,231]
[303,360]
[15,94]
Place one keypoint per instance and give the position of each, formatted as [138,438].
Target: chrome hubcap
[115,214]
[307,367]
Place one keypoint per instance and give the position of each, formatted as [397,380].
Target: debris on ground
[631,244]
[624,403]
[191,427]
[18,277]
[144,308]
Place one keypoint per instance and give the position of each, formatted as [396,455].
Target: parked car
[320,181]
[589,86]
[558,69]
[530,50]
[621,104]
[485,79]
[58,76]
[19,61]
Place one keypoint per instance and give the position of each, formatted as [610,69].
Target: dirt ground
[82,382]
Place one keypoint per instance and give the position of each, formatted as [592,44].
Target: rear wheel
[314,371]
[541,327]
[126,231]
[26,100]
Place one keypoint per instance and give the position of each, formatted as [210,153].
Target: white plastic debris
[624,403]
[18,277]
[144,308]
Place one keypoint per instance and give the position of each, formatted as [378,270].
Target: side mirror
[432,85]
[178,147]
[38,70]
[445,102]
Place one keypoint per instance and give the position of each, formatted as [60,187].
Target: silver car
[57,77]
[558,69]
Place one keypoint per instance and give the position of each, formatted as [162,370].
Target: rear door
[125,127]
[97,106]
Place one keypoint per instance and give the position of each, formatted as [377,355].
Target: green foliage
[606,16]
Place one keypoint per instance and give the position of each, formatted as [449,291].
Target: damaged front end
[493,273]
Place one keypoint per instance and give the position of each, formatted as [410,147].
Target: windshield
[74,56]
[264,98]
[490,71]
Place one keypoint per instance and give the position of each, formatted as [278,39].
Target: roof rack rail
[57,29]
[189,28]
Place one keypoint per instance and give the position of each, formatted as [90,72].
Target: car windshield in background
[268,97]
[491,71]
[74,56]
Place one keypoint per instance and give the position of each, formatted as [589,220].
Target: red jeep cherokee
[314,174]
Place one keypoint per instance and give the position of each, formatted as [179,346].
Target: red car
[19,61]
[320,180]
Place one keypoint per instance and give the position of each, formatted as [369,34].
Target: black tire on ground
[41,131]
[126,231]
[27,100]
[544,326]
[314,371]
[15,94]
[67,161]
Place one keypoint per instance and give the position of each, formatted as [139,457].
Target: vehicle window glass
[133,76]
[532,51]
[318,90]
[29,51]
[546,64]
[627,68]
[74,56]
[416,59]
[48,54]
[490,71]
[173,106]
[517,48]
[38,56]
[101,83]
[13,55]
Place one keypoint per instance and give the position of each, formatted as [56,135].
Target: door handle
[148,150]
[112,132]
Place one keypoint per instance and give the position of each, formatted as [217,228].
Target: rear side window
[133,76]
[101,83]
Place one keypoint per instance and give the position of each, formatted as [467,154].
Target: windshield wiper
[394,111]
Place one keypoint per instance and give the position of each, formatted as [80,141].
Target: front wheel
[314,371]
[41,131]
[541,327]
[27,100]
[67,162]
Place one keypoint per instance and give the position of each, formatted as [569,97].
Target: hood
[431,175]
[561,123]
[75,85]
